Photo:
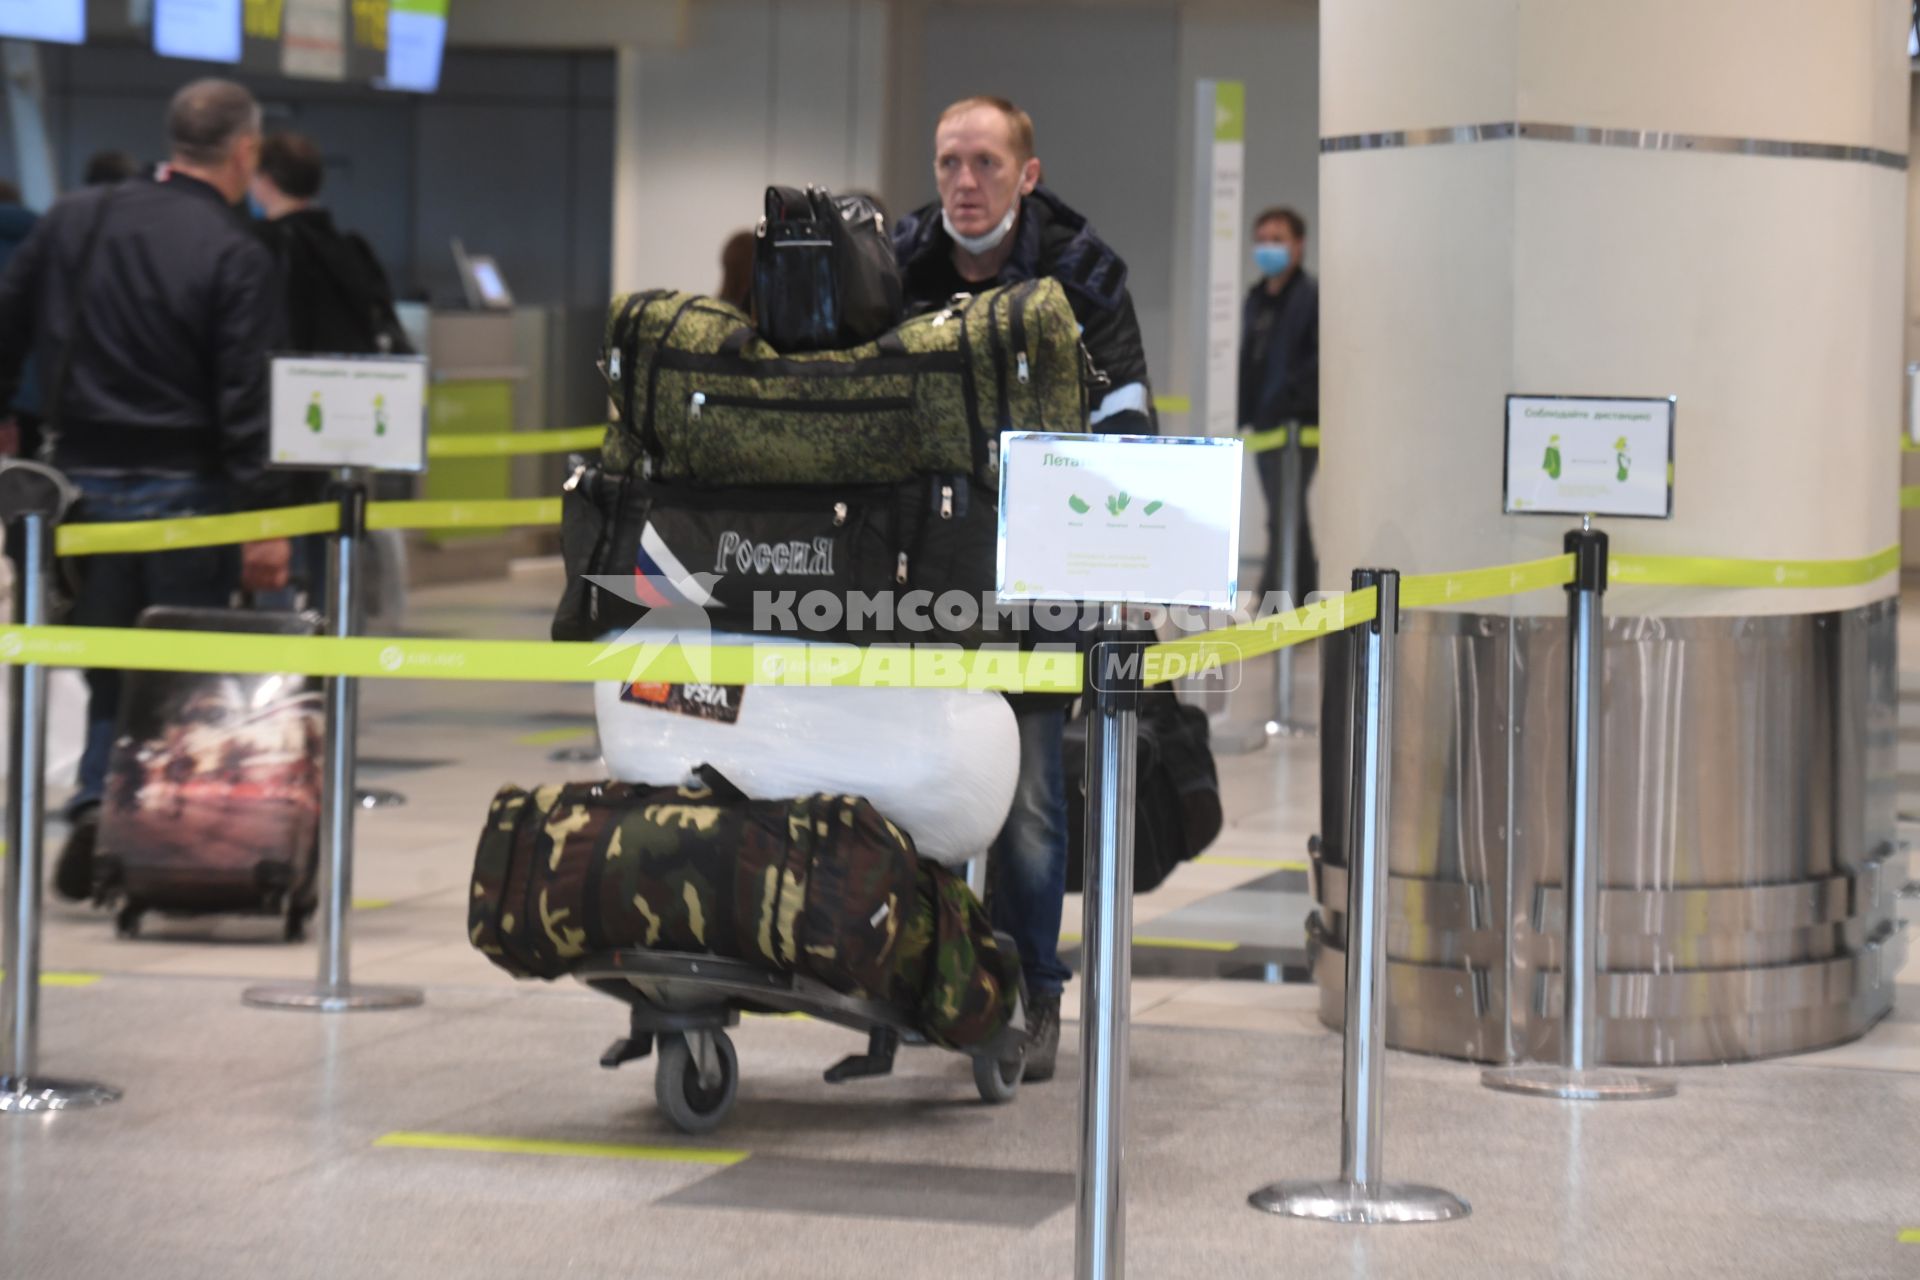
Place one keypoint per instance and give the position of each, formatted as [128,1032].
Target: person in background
[736,271]
[993,225]
[1280,371]
[155,307]
[338,302]
[19,421]
[338,299]
[104,168]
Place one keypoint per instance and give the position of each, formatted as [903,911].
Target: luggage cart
[684,1003]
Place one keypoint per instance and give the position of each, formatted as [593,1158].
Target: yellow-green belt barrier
[507,444]
[535,661]
[182,532]
[1267,441]
[1714,571]
[1910,497]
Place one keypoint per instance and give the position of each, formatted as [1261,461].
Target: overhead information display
[58,21]
[206,30]
[416,40]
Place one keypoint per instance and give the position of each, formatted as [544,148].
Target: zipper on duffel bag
[700,400]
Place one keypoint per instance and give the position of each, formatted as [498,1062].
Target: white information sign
[1220,181]
[350,411]
[1147,519]
[1575,456]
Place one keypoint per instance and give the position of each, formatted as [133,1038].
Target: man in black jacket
[993,225]
[154,306]
[1280,370]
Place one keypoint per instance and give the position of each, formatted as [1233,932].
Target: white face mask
[977,245]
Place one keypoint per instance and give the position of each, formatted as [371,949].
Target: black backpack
[824,276]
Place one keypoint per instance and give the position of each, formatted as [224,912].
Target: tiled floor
[247,1141]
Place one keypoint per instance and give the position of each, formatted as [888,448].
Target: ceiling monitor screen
[416,39]
[208,30]
[58,21]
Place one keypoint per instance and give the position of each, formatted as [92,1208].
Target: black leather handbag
[824,275]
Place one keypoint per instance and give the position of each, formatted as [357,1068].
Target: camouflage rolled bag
[699,396]
[949,969]
[817,885]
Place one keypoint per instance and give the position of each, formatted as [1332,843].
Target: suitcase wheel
[998,1081]
[126,924]
[696,1079]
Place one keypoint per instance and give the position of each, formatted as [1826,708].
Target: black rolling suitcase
[213,787]
[1177,811]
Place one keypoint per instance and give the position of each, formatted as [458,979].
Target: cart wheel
[692,1106]
[127,923]
[998,1081]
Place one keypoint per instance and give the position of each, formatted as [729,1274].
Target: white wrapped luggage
[940,763]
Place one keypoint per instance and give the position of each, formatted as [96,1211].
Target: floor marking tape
[1171,944]
[1910,1236]
[539,1147]
[1275,864]
[371,904]
[553,737]
[63,979]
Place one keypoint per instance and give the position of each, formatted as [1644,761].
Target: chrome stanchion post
[1287,515]
[335,992]
[1580,1077]
[1107,932]
[32,499]
[1361,1194]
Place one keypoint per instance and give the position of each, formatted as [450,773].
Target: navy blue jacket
[1052,240]
[1284,385]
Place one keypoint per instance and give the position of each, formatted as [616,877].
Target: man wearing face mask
[995,224]
[1280,368]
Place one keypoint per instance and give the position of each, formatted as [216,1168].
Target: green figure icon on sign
[1622,459]
[315,419]
[1551,463]
[379,415]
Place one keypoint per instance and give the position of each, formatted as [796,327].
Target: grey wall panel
[496,176]
[1102,87]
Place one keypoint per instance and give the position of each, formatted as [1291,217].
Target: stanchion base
[24,1095]
[1238,740]
[1339,1201]
[1568,1085]
[575,755]
[319,999]
[379,798]
[1290,729]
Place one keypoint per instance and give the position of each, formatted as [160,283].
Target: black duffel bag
[1177,811]
[657,546]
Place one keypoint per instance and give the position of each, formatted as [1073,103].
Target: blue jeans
[1029,860]
[114,589]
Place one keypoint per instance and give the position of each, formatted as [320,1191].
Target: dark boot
[73,874]
[1043,1037]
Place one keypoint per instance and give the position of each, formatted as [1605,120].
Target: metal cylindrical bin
[1746,903]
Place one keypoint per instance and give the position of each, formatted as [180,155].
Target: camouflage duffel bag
[821,885]
[817,885]
[699,396]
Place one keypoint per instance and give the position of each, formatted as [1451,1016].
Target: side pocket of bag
[492,864]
